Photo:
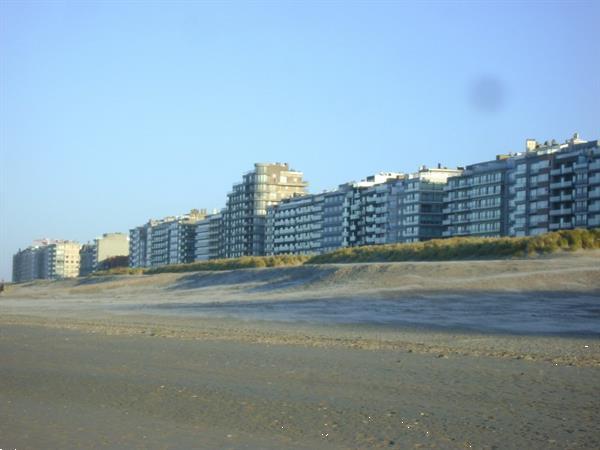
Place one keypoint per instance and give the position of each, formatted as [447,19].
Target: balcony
[595,165]
[594,180]
[561,212]
[562,198]
[562,225]
[562,171]
[561,184]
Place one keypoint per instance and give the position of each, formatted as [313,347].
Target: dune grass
[245,262]
[461,248]
[118,271]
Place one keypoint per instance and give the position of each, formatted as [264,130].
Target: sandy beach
[165,361]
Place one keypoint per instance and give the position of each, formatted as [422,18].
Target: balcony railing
[561,212]
[561,184]
[562,171]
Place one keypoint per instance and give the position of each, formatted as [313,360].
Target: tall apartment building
[383,208]
[550,186]
[575,186]
[335,226]
[47,259]
[167,241]
[209,232]
[295,226]
[110,245]
[139,254]
[365,210]
[27,264]
[476,202]
[87,259]
[245,214]
[319,223]
[529,189]
[61,260]
[416,206]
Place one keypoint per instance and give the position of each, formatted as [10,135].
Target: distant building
[383,208]
[61,260]
[245,214]
[139,254]
[551,186]
[295,226]
[416,205]
[47,259]
[209,243]
[27,264]
[87,259]
[364,213]
[167,241]
[476,202]
[108,246]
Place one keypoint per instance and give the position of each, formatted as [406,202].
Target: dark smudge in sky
[487,94]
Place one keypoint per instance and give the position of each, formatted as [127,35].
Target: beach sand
[81,369]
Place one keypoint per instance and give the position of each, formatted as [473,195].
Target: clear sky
[115,112]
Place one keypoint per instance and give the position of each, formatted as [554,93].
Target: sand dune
[572,273]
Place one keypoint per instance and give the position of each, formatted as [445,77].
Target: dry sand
[81,368]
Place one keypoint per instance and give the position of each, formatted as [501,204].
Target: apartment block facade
[167,241]
[87,259]
[575,187]
[47,259]
[383,208]
[551,186]
[27,264]
[476,202]
[416,205]
[244,217]
[295,226]
[208,240]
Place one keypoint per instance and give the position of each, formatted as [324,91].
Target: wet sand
[81,368]
[73,389]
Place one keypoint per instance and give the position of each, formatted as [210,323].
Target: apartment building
[138,245]
[209,232]
[109,246]
[575,186]
[476,202]
[365,213]
[245,214]
[295,226]
[47,259]
[61,260]
[319,223]
[334,232]
[87,259]
[383,208]
[551,186]
[170,240]
[416,205]
[27,264]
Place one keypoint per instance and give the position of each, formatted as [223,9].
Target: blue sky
[112,113]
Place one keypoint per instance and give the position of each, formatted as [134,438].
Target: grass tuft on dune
[461,248]
[458,248]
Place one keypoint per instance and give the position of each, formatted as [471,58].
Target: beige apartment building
[246,211]
[47,259]
[110,245]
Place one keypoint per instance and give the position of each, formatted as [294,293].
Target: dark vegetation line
[459,248]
